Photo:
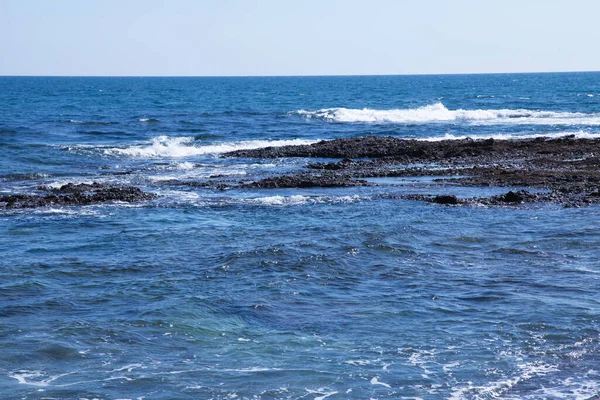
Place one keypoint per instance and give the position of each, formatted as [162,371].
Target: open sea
[319,293]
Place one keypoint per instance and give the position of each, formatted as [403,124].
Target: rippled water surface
[343,293]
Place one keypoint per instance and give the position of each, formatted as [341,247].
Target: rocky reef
[566,170]
[75,195]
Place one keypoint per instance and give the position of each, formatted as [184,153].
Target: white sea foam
[440,113]
[508,136]
[297,200]
[35,378]
[195,199]
[76,211]
[322,391]
[75,181]
[251,369]
[447,368]
[127,368]
[421,359]
[184,165]
[198,173]
[176,147]
[282,200]
[176,166]
[498,389]
[375,381]
[359,362]
[570,388]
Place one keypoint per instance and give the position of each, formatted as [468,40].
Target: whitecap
[438,112]
[178,146]
[509,136]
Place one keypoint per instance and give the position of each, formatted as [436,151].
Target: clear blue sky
[299,37]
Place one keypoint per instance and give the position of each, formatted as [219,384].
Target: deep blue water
[289,293]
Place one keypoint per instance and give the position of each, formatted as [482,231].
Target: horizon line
[295,75]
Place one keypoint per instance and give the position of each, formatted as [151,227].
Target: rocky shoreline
[565,169]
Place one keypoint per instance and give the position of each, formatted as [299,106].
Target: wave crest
[440,113]
[510,136]
[185,146]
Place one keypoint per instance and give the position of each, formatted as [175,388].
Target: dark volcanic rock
[344,164]
[595,193]
[445,199]
[419,150]
[76,194]
[568,168]
[305,181]
[512,197]
[509,198]
[341,148]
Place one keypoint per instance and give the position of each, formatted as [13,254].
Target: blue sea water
[343,293]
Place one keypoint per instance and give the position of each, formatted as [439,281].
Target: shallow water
[343,293]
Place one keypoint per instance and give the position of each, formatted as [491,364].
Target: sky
[296,37]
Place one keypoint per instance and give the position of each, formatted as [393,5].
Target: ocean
[302,293]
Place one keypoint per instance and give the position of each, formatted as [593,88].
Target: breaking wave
[439,113]
[176,147]
[511,136]
[297,200]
